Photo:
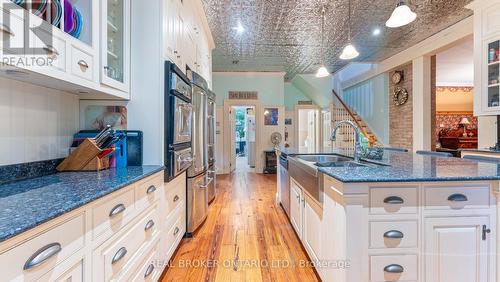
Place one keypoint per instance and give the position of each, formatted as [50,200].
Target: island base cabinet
[312,228]
[457,250]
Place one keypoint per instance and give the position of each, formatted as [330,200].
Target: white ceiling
[455,66]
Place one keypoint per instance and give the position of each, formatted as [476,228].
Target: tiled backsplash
[36,123]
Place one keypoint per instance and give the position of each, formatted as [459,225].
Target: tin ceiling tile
[285,35]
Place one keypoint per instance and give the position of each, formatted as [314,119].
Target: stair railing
[371,139]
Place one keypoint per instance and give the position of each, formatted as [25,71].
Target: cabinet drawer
[82,64]
[12,32]
[175,231]
[175,193]
[393,234]
[149,269]
[113,213]
[393,200]
[455,198]
[119,256]
[393,268]
[73,274]
[26,261]
[147,192]
[54,49]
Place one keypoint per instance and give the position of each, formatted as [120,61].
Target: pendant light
[322,71]
[349,51]
[401,16]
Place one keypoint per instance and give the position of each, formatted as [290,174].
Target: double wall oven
[178,122]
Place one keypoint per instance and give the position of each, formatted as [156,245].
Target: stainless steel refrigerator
[197,178]
[212,170]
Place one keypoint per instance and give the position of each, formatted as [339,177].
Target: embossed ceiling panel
[285,35]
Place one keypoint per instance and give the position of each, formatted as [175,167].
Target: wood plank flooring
[246,237]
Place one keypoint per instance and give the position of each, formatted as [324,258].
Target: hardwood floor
[246,237]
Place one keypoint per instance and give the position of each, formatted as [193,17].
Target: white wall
[36,123]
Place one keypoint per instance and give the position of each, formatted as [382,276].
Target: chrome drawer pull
[394,268]
[394,234]
[394,200]
[176,198]
[119,255]
[149,225]
[51,50]
[151,189]
[149,270]
[83,64]
[7,30]
[176,231]
[42,255]
[457,198]
[117,210]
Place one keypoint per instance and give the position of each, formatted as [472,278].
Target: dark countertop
[410,167]
[28,203]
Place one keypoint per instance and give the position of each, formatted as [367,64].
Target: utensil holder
[84,158]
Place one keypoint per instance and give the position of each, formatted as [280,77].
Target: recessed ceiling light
[376,32]
[239,28]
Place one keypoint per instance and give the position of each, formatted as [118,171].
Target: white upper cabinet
[486,56]
[115,50]
[186,36]
[61,50]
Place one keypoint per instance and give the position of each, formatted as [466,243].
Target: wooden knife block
[84,158]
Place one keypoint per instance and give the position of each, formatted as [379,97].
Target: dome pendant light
[349,51]
[401,16]
[322,71]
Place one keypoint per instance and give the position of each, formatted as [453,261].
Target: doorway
[243,121]
[308,129]
[454,125]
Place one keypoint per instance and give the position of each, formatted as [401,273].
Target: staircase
[346,134]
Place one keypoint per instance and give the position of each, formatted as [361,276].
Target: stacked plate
[73,21]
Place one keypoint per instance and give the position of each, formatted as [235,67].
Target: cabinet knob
[42,255]
[394,234]
[116,210]
[5,29]
[394,268]
[51,50]
[83,64]
[176,231]
[149,225]
[457,198]
[119,255]
[151,189]
[176,198]
[149,270]
[394,200]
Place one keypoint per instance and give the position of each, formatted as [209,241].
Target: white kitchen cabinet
[486,56]
[457,249]
[296,207]
[313,214]
[115,43]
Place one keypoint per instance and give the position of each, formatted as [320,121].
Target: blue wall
[270,86]
[370,99]
[293,96]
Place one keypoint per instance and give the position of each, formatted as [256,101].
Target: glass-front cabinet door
[493,74]
[115,42]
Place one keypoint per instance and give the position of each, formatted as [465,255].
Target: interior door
[456,249]
[232,126]
[311,130]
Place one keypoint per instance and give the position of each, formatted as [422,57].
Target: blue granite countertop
[409,167]
[29,203]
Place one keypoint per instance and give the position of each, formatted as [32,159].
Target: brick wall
[401,117]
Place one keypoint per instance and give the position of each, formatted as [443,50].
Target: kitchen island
[414,218]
